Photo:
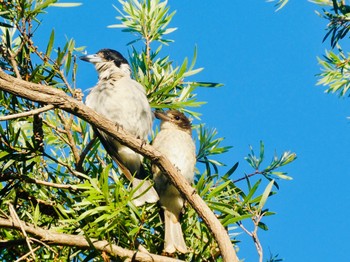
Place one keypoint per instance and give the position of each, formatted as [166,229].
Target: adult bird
[122,100]
[175,142]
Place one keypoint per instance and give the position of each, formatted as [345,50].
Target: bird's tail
[173,240]
[145,192]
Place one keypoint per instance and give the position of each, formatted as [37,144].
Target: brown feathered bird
[174,141]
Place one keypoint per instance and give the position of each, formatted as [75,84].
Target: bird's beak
[161,115]
[92,58]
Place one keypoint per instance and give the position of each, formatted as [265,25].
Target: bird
[122,100]
[175,142]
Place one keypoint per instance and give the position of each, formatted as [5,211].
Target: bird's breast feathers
[179,148]
[124,102]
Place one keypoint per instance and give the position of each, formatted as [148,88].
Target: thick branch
[58,98]
[52,238]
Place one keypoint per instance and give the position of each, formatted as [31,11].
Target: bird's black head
[106,55]
[112,55]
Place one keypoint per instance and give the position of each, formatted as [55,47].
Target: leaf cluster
[335,72]
[152,23]
[338,18]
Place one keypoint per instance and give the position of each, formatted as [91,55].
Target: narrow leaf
[50,44]
[265,195]
[66,4]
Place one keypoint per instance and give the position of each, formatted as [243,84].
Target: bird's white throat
[108,70]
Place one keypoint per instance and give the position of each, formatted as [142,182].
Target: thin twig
[38,182]
[45,58]
[65,81]
[247,176]
[244,229]
[53,127]
[3,213]
[59,131]
[14,63]
[254,235]
[257,243]
[26,255]
[27,113]
[16,219]
[71,143]
[79,165]
[44,244]
[70,169]
[49,184]
[148,56]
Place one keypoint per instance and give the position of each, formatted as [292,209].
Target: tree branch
[15,218]
[50,184]
[52,238]
[59,99]
[247,176]
[27,113]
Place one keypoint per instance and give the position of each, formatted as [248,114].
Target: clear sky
[267,62]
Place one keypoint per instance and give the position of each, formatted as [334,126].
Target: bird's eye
[177,117]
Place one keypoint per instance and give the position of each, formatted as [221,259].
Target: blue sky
[267,63]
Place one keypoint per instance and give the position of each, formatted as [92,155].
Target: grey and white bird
[122,100]
[174,141]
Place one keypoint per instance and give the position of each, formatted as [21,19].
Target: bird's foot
[119,126]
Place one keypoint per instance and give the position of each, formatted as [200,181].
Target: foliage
[57,176]
[280,3]
[336,69]
[335,64]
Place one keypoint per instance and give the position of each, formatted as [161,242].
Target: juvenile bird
[122,100]
[175,141]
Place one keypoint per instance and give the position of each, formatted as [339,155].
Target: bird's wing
[145,192]
[114,155]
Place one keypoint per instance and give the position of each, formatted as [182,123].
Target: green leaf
[263,226]
[265,195]
[40,7]
[8,164]
[2,24]
[262,152]
[236,219]
[335,6]
[223,208]
[216,190]
[280,3]
[251,192]
[230,171]
[3,154]
[207,84]
[281,175]
[36,216]
[50,44]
